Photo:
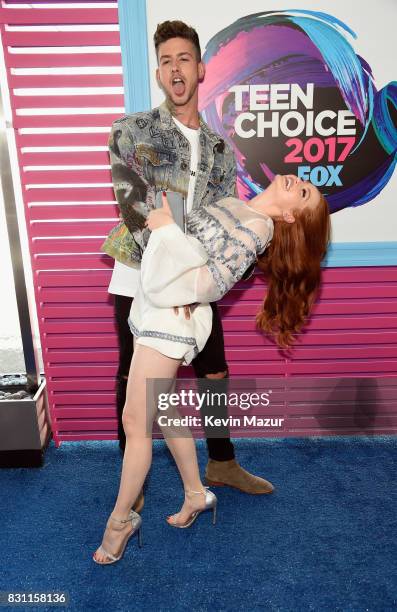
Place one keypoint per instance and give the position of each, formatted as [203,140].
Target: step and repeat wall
[308,92]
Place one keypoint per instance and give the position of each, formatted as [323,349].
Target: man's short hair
[176,29]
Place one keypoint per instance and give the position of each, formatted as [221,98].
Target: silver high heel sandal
[210,503]
[136,522]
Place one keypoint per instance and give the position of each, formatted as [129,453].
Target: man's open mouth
[178,86]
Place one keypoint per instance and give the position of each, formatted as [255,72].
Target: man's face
[179,70]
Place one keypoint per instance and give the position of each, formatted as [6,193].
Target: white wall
[11,355]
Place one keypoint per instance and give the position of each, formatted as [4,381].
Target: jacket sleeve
[230,180]
[176,269]
[129,184]
[170,267]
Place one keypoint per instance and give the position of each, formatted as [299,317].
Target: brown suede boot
[139,502]
[231,474]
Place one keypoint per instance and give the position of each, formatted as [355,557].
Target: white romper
[199,267]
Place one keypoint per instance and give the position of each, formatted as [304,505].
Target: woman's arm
[176,269]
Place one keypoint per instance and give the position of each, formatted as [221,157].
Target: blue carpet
[324,540]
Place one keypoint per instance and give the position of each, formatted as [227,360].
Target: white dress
[222,241]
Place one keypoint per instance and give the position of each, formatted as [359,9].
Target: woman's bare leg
[147,363]
[184,452]
[181,444]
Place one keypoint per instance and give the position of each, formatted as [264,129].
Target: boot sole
[214,483]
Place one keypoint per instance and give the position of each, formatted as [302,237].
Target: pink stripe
[65,80]
[73,279]
[76,327]
[12,16]
[89,425]
[55,341]
[372,306]
[344,367]
[76,311]
[68,158]
[72,262]
[70,194]
[358,322]
[85,413]
[89,371]
[75,295]
[67,101]
[55,177]
[328,292]
[72,245]
[344,351]
[343,409]
[349,421]
[375,337]
[90,385]
[358,275]
[59,39]
[75,357]
[59,121]
[63,140]
[63,60]
[68,228]
[79,211]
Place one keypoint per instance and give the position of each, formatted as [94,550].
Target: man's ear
[201,71]
[288,217]
[158,78]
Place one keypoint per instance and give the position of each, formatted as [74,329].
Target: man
[172,148]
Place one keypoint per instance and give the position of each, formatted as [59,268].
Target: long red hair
[291,264]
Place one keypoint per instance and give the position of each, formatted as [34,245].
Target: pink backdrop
[352,334]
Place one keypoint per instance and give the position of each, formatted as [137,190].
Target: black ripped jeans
[211,360]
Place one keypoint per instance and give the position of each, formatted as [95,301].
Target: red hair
[291,264]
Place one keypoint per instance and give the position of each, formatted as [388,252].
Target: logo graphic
[288,92]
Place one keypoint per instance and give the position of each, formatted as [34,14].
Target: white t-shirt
[193,137]
[124,279]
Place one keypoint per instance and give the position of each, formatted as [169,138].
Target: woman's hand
[161,216]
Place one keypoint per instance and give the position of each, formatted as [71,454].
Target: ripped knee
[217,375]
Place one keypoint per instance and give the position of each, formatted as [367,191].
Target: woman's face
[290,192]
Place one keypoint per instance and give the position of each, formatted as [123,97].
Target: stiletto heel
[140,537]
[210,503]
[136,522]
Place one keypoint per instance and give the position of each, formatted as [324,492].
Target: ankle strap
[195,492]
[127,520]
[120,520]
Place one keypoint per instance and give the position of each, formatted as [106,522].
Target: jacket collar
[168,124]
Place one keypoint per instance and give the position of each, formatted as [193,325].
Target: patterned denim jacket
[148,153]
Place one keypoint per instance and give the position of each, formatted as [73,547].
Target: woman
[223,241]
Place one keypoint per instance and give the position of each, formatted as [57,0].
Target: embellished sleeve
[176,269]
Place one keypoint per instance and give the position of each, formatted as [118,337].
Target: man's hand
[161,216]
[188,309]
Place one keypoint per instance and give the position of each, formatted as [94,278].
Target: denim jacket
[149,153]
